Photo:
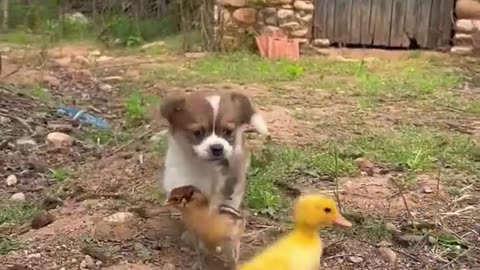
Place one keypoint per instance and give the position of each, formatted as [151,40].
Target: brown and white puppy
[206,145]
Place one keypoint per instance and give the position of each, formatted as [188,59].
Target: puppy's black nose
[217,149]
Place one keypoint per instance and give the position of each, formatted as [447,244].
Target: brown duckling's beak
[342,222]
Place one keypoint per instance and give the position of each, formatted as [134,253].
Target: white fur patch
[215,102]
[203,149]
[258,122]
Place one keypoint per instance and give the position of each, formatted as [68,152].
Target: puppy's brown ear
[172,105]
[248,114]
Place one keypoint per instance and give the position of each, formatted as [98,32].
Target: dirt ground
[101,197]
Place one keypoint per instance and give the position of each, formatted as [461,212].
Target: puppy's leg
[200,263]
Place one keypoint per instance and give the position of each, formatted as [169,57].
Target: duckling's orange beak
[342,222]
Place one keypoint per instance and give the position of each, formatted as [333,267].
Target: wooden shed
[385,23]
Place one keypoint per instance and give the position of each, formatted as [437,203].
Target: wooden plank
[410,23]
[397,34]
[434,24]
[356,22]
[366,9]
[445,23]
[423,20]
[383,18]
[320,19]
[330,7]
[342,18]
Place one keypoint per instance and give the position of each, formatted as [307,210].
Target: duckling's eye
[327,210]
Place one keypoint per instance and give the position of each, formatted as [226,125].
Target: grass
[12,213]
[8,244]
[61,174]
[137,108]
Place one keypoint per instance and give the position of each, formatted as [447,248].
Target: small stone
[41,220]
[105,87]
[390,227]
[234,3]
[95,53]
[11,180]
[299,33]
[89,263]
[120,217]
[460,50]
[63,62]
[307,18]
[104,58]
[169,266]
[408,239]
[245,15]
[51,81]
[83,265]
[195,54]
[153,44]
[270,29]
[113,79]
[321,42]
[427,190]
[355,259]
[59,139]
[272,20]
[4,120]
[290,26]
[432,240]
[19,197]
[302,5]
[283,14]
[387,254]
[78,17]
[26,142]
[60,127]
[269,11]
[34,256]
[366,166]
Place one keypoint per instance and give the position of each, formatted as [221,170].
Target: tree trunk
[5,15]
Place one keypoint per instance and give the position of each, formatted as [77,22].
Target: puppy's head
[209,124]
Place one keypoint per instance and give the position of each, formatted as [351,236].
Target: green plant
[16,213]
[8,244]
[60,174]
[137,108]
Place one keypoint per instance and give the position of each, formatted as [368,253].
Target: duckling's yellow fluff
[301,249]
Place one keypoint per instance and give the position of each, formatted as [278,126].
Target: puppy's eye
[227,132]
[198,133]
[327,210]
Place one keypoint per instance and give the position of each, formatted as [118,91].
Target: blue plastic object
[83,117]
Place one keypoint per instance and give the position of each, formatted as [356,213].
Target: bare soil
[123,176]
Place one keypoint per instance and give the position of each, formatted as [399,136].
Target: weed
[137,108]
[371,228]
[16,213]
[8,244]
[41,93]
[60,174]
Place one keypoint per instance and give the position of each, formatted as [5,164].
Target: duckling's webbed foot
[200,263]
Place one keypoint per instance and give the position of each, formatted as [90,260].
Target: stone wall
[467,27]
[241,18]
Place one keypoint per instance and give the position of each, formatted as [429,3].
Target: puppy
[206,144]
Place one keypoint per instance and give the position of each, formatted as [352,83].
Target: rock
[89,263]
[245,15]
[34,256]
[303,5]
[113,79]
[427,190]
[384,244]
[104,58]
[11,180]
[461,39]
[168,266]
[63,62]
[26,143]
[461,50]
[366,166]
[307,18]
[387,254]
[95,53]
[19,197]
[78,17]
[270,29]
[268,11]
[41,220]
[4,120]
[105,87]
[153,44]
[195,54]
[82,60]
[432,240]
[467,9]
[408,239]
[234,3]
[60,127]
[284,14]
[59,139]
[467,26]
[321,42]
[271,20]
[120,217]
[290,26]
[355,259]
[299,33]
[51,81]
[391,228]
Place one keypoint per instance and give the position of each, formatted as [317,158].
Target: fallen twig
[400,190]
[455,259]
[392,248]
[141,136]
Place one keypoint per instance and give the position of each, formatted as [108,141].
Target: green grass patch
[8,244]
[137,108]
[61,174]
[12,213]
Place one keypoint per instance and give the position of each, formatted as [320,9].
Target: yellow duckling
[301,249]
